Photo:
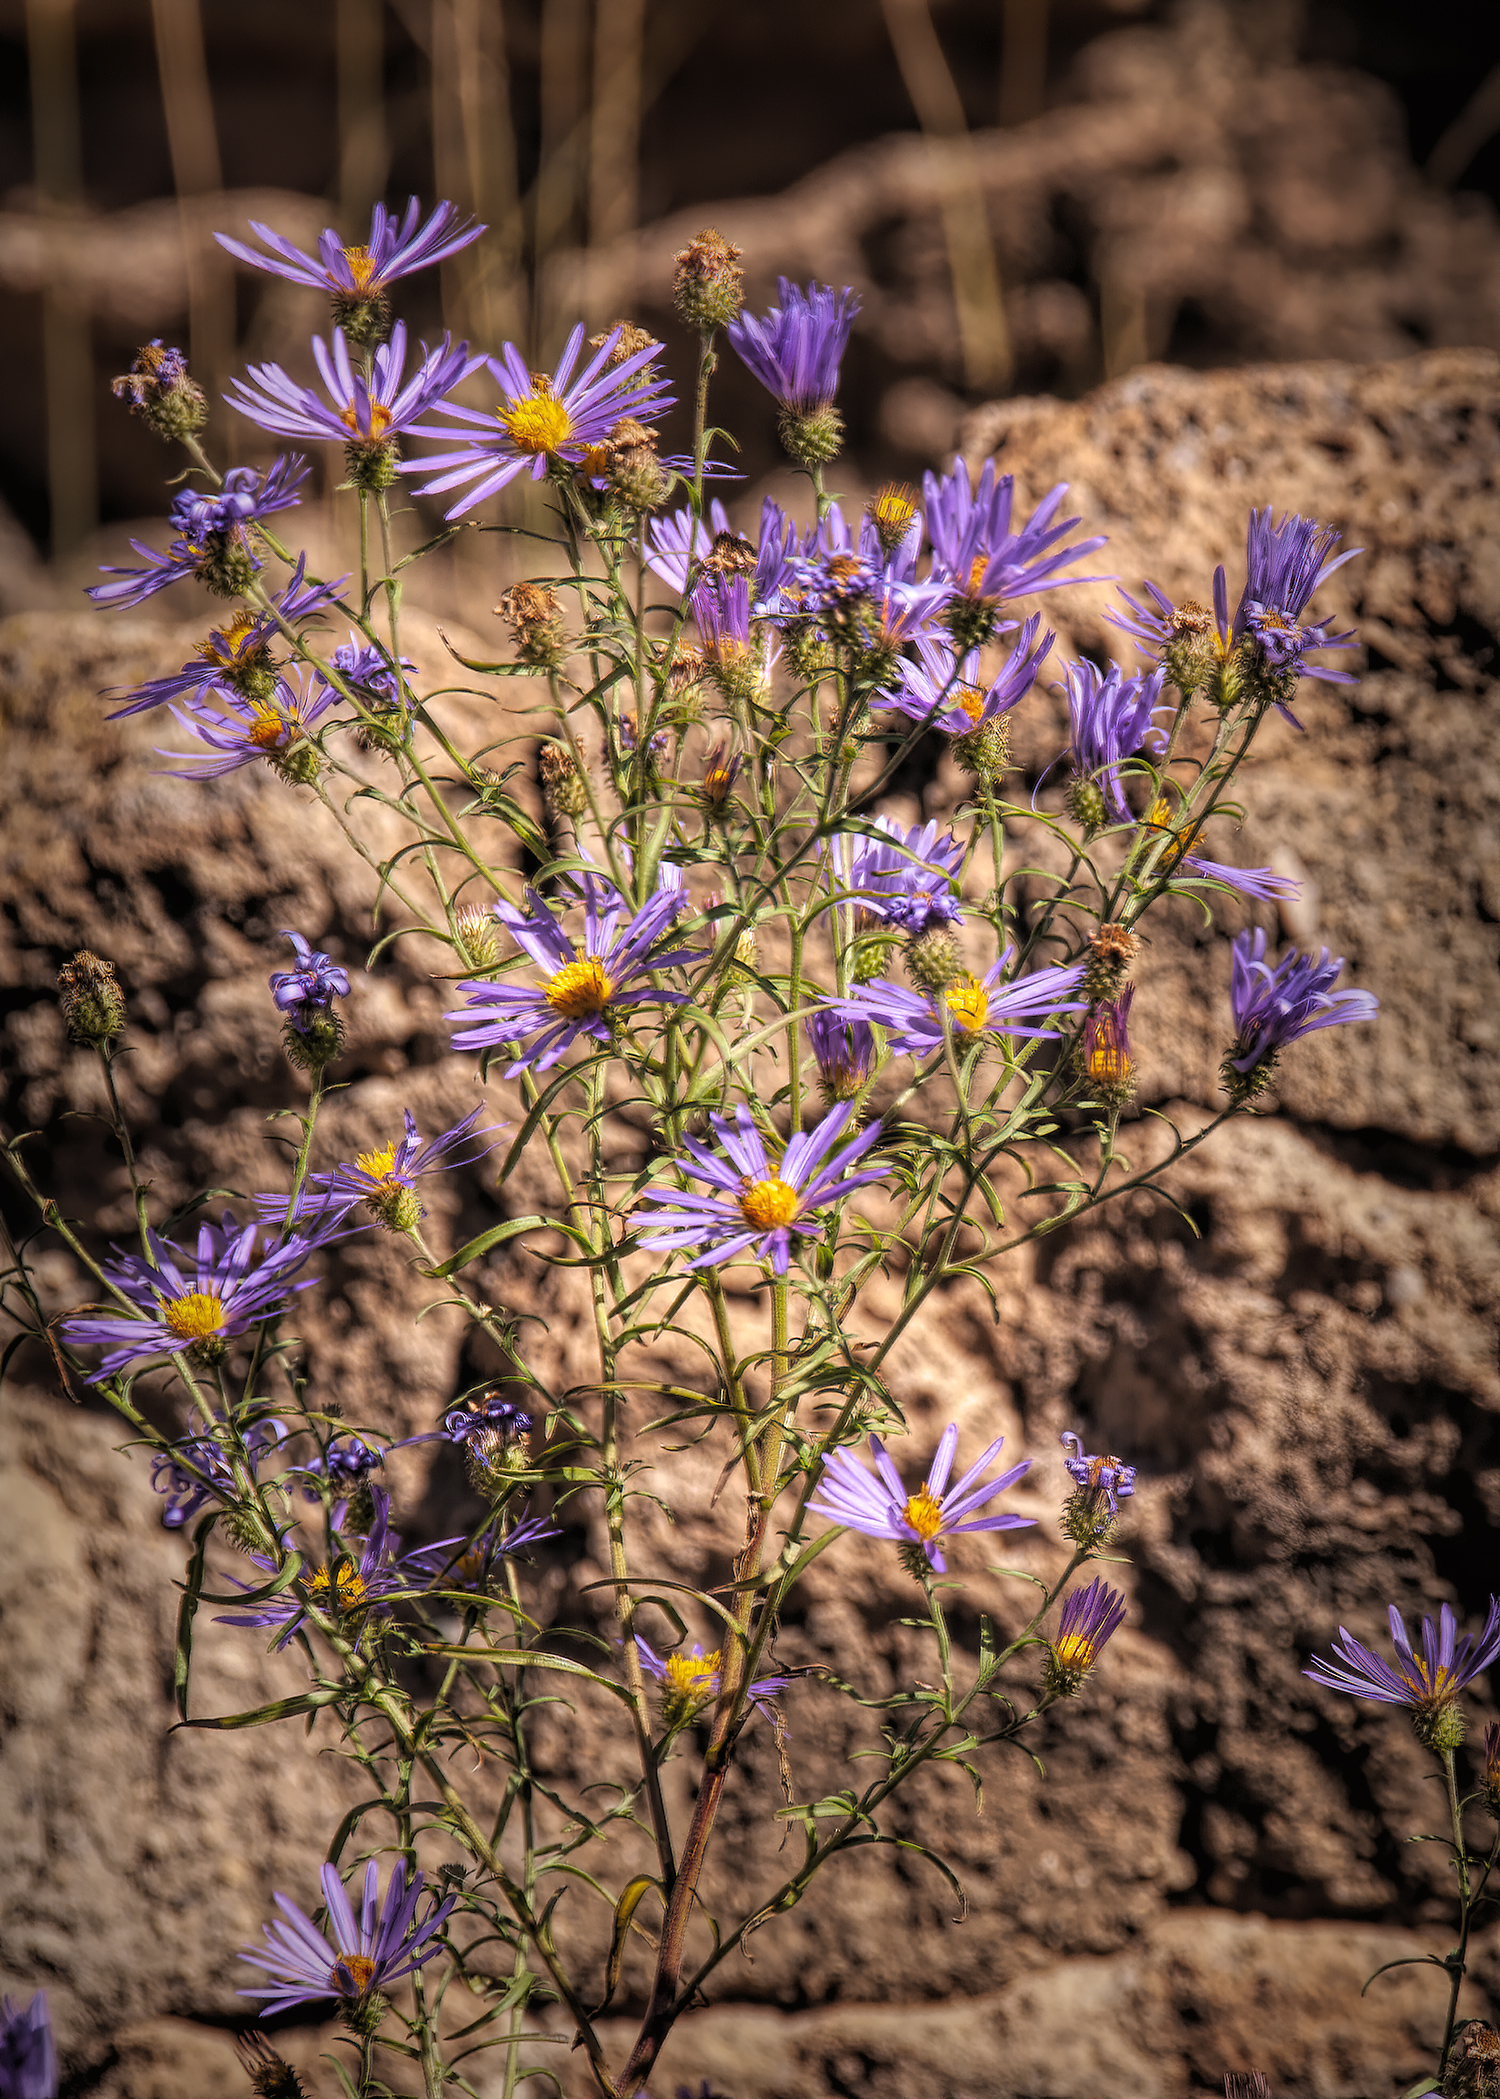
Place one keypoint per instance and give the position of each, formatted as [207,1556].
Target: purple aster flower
[900,878]
[358,410]
[976,1006]
[346,1467]
[796,350]
[240,730]
[844,1051]
[879,1505]
[539,419]
[366,1955]
[583,991]
[386,1177]
[236,657]
[1090,1617]
[757,1204]
[197,1470]
[974,547]
[394,249]
[199,1301]
[737,656]
[347,1590]
[674,546]
[314,984]
[366,666]
[28,2054]
[1426,1684]
[1164,627]
[1272,1007]
[214,535]
[1101,1484]
[1111,717]
[690,1682]
[468,1567]
[490,1434]
[942,691]
[1284,564]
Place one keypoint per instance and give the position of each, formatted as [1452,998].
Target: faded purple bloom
[904,879]
[689,1682]
[358,410]
[942,691]
[315,983]
[879,1505]
[1424,1683]
[539,419]
[974,547]
[758,1206]
[673,547]
[276,728]
[491,1416]
[976,1006]
[1272,1007]
[844,1051]
[368,1953]
[367,667]
[197,1470]
[202,1300]
[394,249]
[1104,1479]
[1284,564]
[214,535]
[465,1567]
[236,657]
[795,351]
[1105,1049]
[584,989]
[1111,718]
[28,2054]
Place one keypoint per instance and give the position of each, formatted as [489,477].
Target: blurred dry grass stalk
[602,66]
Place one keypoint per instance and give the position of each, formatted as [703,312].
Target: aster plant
[770,1071]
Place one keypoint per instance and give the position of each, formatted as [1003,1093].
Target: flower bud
[478,941]
[93,1004]
[933,960]
[533,612]
[270,2076]
[708,289]
[872,958]
[811,436]
[563,786]
[1112,949]
[162,394]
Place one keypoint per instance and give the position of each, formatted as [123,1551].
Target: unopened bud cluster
[708,289]
[161,392]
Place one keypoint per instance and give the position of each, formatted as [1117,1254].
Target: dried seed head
[708,288]
[730,555]
[1112,949]
[270,2076]
[93,1004]
[533,612]
[563,785]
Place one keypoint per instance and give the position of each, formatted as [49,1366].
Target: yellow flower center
[1074,1651]
[693,1675]
[925,1515]
[971,699]
[377,1164]
[380,420]
[769,1204]
[717,782]
[194,1317]
[595,461]
[1108,1063]
[361,267]
[580,990]
[268,729]
[345,1590]
[1432,1697]
[977,568]
[894,507]
[538,422]
[227,644]
[352,1974]
[969,1003]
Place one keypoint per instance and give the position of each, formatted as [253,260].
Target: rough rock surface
[1302,1364]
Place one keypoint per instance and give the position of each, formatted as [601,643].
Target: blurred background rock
[1190,258]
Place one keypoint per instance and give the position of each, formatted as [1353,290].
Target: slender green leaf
[278,1709]
[187,1611]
